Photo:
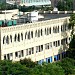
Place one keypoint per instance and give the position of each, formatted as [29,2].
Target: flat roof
[46,16]
[53,16]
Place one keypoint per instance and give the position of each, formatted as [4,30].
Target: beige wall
[33,42]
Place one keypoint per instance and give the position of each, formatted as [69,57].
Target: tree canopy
[65,5]
[64,67]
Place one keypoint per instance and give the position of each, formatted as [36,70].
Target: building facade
[42,41]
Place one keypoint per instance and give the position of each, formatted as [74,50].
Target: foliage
[4,6]
[32,8]
[48,69]
[65,5]
[68,65]
[28,62]
[72,21]
[65,67]
[71,51]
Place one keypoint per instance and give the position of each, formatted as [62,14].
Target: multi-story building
[44,40]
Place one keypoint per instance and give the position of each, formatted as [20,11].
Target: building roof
[54,16]
[46,16]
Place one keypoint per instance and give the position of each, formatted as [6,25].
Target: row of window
[39,48]
[30,51]
[49,59]
[48,45]
[56,43]
[18,54]
[21,54]
[29,35]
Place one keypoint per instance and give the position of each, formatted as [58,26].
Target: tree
[68,65]
[28,62]
[65,5]
[48,69]
[71,51]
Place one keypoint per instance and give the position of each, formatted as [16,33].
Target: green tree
[48,69]
[65,5]
[68,65]
[28,62]
[71,51]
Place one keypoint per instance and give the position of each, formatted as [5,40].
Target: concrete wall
[25,44]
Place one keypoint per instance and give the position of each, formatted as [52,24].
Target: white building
[45,40]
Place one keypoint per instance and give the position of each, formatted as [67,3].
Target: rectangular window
[31,34]
[41,47]
[32,50]
[58,42]
[16,54]
[47,46]
[19,54]
[5,57]
[53,43]
[29,51]
[37,49]
[8,56]
[22,53]
[50,44]
[26,51]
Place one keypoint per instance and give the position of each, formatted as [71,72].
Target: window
[15,38]
[29,51]
[19,37]
[53,43]
[11,56]
[31,34]
[19,54]
[37,49]
[26,35]
[4,40]
[32,50]
[11,38]
[45,31]
[50,44]
[16,54]
[61,28]
[41,47]
[22,36]
[50,30]
[36,33]
[58,42]
[7,40]
[58,29]
[41,32]
[5,57]
[8,56]
[22,53]
[47,46]
[26,51]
